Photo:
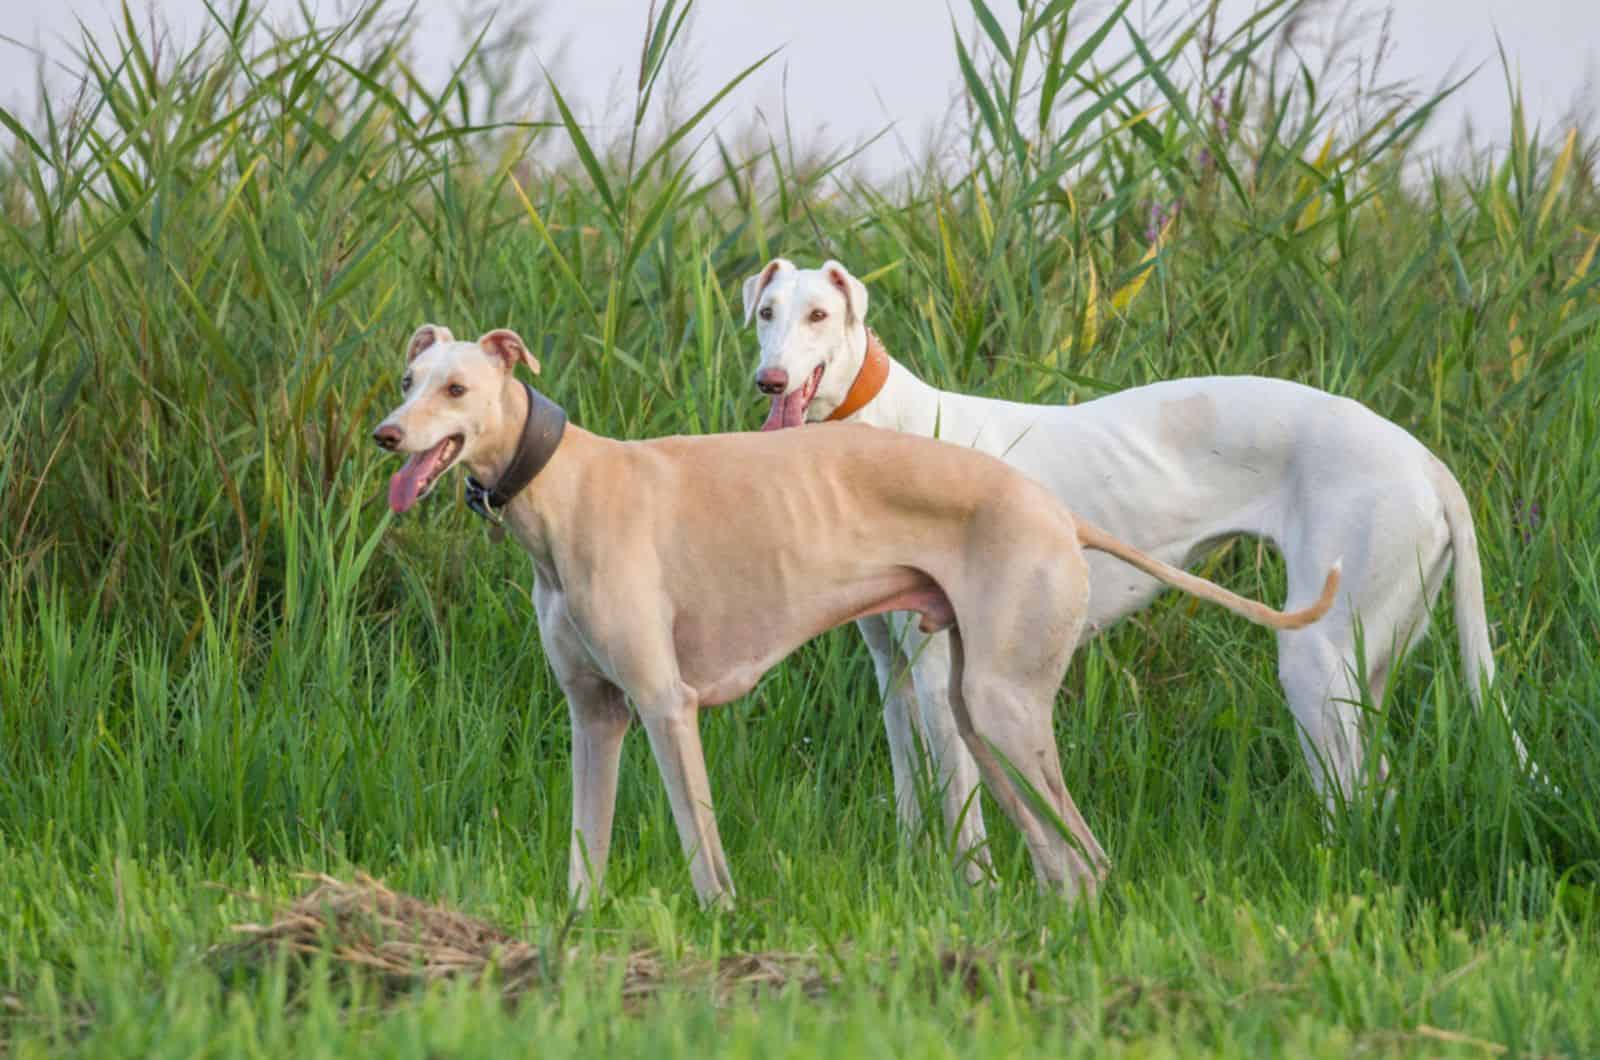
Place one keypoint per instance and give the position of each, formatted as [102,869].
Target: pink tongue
[788,410]
[406,484]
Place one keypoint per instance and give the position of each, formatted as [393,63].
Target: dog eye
[766,312]
[818,315]
[405,384]
[455,390]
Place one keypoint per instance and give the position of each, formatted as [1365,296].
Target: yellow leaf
[1307,182]
[1558,177]
[1130,290]
[985,222]
[882,271]
[931,311]
[1519,357]
[1051,362]
[1313,209]
[1322,155]
[952,270]
[1308,216]
[1505,229]
[1578,273]
[1085,338]
[1134,119]
[1091,313]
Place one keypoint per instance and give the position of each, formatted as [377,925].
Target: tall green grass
[221,660]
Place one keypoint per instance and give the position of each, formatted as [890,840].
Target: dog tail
[1472,622]
[1091,536]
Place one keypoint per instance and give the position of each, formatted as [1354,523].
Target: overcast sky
[853,66]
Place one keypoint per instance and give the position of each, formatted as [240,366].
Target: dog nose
[387,436]
[772,380]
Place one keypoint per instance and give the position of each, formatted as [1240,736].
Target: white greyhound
[1173,468]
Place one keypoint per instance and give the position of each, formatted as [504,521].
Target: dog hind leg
[1006,726]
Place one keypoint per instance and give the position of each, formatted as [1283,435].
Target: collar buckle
[481,500]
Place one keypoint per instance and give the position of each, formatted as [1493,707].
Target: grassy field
[223,664]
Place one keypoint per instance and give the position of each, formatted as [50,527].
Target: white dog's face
[811,324]
[454,408]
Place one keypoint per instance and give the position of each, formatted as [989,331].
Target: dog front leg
[672,719]
[599,723]
[899,716]
[957,771]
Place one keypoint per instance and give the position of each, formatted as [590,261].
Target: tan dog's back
[777,538]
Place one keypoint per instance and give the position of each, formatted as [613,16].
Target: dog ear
[425,336]
[507,346]
[758,283]
[854,291]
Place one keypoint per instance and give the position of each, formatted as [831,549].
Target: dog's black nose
[387,436]
[772,380]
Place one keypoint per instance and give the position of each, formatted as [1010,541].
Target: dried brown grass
[405,942]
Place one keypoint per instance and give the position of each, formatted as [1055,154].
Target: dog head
[812,327]
[456,408]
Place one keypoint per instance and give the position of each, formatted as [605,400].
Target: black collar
[541,434]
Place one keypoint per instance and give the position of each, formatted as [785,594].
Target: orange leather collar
[874,373]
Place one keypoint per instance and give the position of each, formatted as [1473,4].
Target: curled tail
[1472,622]
[1091,536]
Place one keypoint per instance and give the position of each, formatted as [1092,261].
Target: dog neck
[869,380]
[540,517]
[899,390]
[543,426]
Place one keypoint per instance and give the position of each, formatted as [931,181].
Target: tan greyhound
[673,573]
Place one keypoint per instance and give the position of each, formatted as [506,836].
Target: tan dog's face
[453,408]
[811,324]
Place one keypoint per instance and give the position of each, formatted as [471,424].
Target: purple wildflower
[1527,518]
[1160,214]
[1219,113]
